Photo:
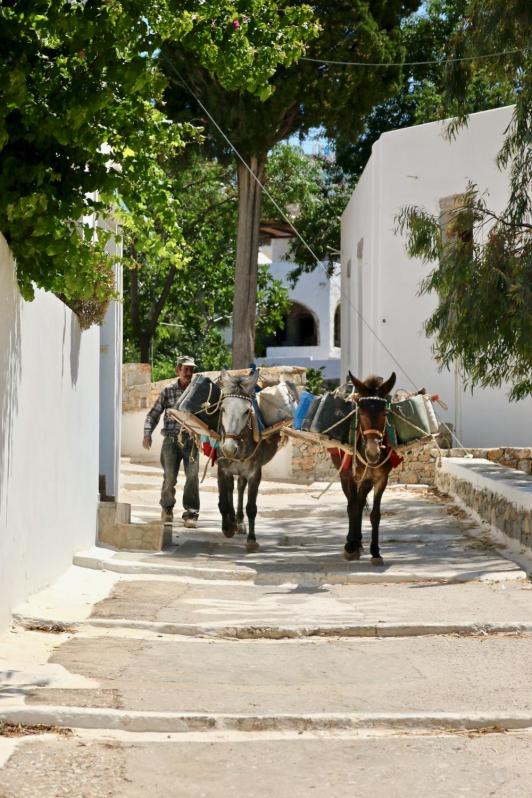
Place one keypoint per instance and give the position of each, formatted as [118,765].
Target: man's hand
[146,441]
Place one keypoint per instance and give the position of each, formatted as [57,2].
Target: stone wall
[311,462]
[500,496]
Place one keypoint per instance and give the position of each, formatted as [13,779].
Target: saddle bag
[199,401]
[303,411]
[411,419]
[333,417]
[277,404]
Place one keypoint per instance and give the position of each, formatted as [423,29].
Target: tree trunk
[247,250]
[145,347]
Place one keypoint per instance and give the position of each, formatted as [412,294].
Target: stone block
[116,532]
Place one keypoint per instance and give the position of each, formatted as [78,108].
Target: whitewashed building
[57,385]
[419,166]
[311,336]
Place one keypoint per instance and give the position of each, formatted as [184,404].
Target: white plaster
[72,596]
[514,486]
[49,409]
[318,293]
[111,381]
[419,166]
[132,434]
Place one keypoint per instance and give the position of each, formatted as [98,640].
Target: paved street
[205,671]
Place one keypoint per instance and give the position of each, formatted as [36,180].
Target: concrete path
[205,671]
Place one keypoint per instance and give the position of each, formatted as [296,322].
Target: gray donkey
[243,453]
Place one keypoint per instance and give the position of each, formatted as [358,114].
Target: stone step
[288,677]
[264,764]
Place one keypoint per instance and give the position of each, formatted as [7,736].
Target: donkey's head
[235,417]
[372,395]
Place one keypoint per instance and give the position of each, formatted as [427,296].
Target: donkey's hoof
[352,555]
[252,546]
[377,561]
[241,529]
[228,533]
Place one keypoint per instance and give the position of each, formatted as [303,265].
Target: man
[177,447]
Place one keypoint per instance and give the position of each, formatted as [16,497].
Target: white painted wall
[132,433]
[111,336]
[419,166]
[49,411]
[321,296]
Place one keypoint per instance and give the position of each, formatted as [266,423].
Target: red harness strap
[347,460]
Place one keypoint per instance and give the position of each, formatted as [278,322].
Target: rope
[441,61]
[344,418]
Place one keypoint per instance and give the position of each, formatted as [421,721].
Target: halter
[380,433]
[232,435]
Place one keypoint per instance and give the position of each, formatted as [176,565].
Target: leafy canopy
[483,275]
[82,123]
[179,299]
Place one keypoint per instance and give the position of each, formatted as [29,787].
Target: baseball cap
[185,360]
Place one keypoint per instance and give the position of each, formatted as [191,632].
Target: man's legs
[191,501]
[170,460]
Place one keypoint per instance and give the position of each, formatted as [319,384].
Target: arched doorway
[300,329]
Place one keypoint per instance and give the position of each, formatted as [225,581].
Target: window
[337,326]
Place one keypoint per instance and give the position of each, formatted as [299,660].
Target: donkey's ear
[249,383]
[224,376]
[387,386]
[361,388]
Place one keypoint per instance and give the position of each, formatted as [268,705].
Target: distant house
[419,166]
[311,336]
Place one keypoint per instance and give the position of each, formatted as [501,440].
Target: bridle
[364,433]
[371,431]
[248,426]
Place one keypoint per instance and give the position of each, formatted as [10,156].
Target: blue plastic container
[305,401]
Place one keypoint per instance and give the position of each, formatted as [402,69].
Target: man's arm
[152,419]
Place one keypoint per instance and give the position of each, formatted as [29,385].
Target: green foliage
[80,130]
[314,381]
[484,285]
[422,94]
[179,299]
[301,96]
[313,192]
[483,276]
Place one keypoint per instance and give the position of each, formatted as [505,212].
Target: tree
[421,94]
[80,129]
[178,298]
[320,193]
[483,275]
[302,96]
[312,191]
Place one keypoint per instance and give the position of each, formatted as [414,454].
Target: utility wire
[285,217]
[296,231]
[440,61]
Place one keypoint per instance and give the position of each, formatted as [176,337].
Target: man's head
[185,369]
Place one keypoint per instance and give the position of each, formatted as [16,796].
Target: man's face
[184,374]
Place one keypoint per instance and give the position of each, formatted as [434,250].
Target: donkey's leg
[375,517]
[251,509]
[355,507]
[225,502]
[242,482]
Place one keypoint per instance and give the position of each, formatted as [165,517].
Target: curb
[266,632]
[370,575]
[145,721]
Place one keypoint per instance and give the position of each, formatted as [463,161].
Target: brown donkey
[371,464]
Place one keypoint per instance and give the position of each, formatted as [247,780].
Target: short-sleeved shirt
[167,399]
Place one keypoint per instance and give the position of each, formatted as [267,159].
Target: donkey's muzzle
[229,447]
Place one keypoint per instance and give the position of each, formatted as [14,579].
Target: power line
[441,61]
[285,217]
